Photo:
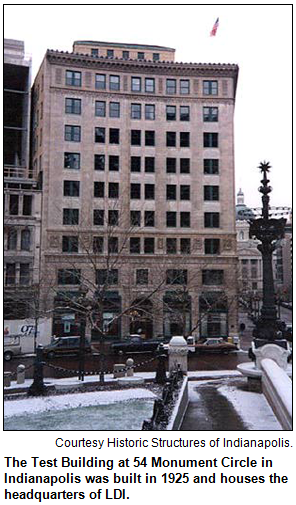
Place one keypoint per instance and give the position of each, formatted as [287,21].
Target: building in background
[136,157]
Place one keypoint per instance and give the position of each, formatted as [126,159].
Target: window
[100,81]
[10,274]
[98,245]
[25,240]
[100,108]
[171,246]
[171,192]
[210,139]
[211,219]
[212,246]
[185,219]
[149,218]
[136,83]
[210,87]
[94,52]
[211,166]
[171,114]
[113,245]
[113,217]
[171,139]
[73,106]
[69,276]
[184,87]
[99,189]
[70,216]
[171,86]
[184,165]
[135,163]
[184,113]
[113,135]
[135,137]
[155,56]
[149,111]
[113,163]
[210,114]
[72,160]
[106,277]
[176,276]
[27,205]
[13,205]
[149,138]
[135,191]
[113,190]
[142,276]
[184,192]
[171,165]
[148,245]
[72,133]
[141,56]
[73,78]
[135,245]
[125,55]
[171,219]
[12,239]
[149,191]
[99,162]
[136,111]
[100,135]
[24,274]
[110,53]
[114,83]
[70,244]
[211,193]
[184,139]
[149,85]
[149,164]
[99,217]
[135,218]
[213,277]
[185,246]
[71,188]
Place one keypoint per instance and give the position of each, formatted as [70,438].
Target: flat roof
[117,44]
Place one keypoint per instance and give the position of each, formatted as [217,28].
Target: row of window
[106,277]
[141,84]
[73,134]
[73,161]
[125,54]
[17,273]
[20,204]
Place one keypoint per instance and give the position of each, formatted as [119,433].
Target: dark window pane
[212,277]
[171,114]
[171,165]
[71,188]
[149,138]
[69,276]
[142,276]
[135,137]
[99,217]
[73,106]
[176,276]
[70,244]
[149,191]
[125,55]
[113,163]
[141,55]
[210,87]
[184,165]
[113,190]
[171,139]
[185,246]
[184,192]
[114,136]
[10,274]
[113,217]
[212,246]
[210,114]
[171,219]
[12,239]
[72,160]
[72,133]
[135,191]
[135,163]
[113,245]
[99,162]
[98,245]
[135,245]
[149,218]
[211,192]
[185,219]
[27,205]
[110,53]
[136,110]
[171,192]
[99,189]
[149,164]
[149,111]
[184,139]
[171,246]
[210,139]
[24,274]
[13,205]
[25,240]
[73,78]
[184,113]
[100,134]
[135,218]
[211,166]
[71,216]
[211,219]
[149,245]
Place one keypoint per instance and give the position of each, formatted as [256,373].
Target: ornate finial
[265,166]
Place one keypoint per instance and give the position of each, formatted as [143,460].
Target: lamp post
[267,230]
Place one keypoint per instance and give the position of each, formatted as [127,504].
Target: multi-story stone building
[136,157]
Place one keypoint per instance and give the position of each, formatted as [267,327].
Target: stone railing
[277,388]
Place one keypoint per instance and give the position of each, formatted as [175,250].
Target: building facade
[136,157]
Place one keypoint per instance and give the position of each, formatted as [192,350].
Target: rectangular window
[211,166]
[148,245]
[10,276]
[184,192]
[24,274]
[99,161]
[71,216]
[136,111]
[184,165]
[113,245]
[213,277]
[185,246]
[149,111]
[185,219]
[171,246]
[210,114]
[141,56]
[171,114]
[106,277]
[110,53]
[149,138]
[114,109]
[72,160]
[135,218]
[135,137]
[171,86]
[73,78]
[70,276]
[113,190]
[70,244]
[113,163]
[149,218]
[184,139]
[149,85]
[100,135]
[100,108]
[171,219]
[211,219]
[94,52]
[212,246]
[155,56]
[12,239]
[142,276]
[71,188]
[184,87]
[135,163]
[184,113]
[113,217]
[99,189]
[27,205]
[211,193]
[13,205]
[114,83]
[114,135]
[149,164]
[171,192]
[171,165]
[72,133]
[99,217]
[25,240]
[72,106]
[149,191]
[135,191]
[125,55]
[98,245]
[100,81]
[176,276]
[136,84]
[135,245]
[171,139]
[210,87]
[210,139]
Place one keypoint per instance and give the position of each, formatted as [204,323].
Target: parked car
[135,343]
[215,345]
[12,346]
[65,345]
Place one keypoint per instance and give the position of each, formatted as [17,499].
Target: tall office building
[136,157]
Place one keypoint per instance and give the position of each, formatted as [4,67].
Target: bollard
[20,374]
[130,370]
[7,379]
[38,388]
[178,351]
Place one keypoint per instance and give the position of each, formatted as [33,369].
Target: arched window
[241,235]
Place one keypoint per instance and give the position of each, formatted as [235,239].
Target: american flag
[215,28]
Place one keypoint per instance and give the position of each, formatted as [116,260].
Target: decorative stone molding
[53,240]
[227,244]
[274,352]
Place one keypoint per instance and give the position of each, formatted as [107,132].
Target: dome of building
[242,212]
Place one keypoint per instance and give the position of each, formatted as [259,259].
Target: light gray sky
[257,38]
